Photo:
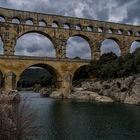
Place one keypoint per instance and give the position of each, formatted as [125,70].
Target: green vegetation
[110,66]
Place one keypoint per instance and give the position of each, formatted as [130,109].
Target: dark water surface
[71,120]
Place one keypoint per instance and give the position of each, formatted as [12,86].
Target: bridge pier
[67,82]
[10,81]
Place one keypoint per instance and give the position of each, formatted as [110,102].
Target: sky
[122,11]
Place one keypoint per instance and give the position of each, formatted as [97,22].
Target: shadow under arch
[80,75]
[78,46]
[47,39]
[54,73]
[110,44]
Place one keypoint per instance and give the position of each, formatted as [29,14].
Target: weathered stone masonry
[65,27]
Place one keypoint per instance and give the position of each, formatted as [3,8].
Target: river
[80,120]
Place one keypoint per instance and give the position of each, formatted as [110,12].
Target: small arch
[130,32]
[110,30]
[55,24]
[89,28]
[78,27]
[42,23]
[100,29]
[66,26]
[110,45]
[138,33]
[2,18]
[15,20]
[29,21]
[135,44]
[120,31]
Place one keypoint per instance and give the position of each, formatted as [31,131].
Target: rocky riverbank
[123,90]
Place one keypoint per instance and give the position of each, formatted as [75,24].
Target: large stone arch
[134,45]
[115,40]
[37,32]
[84,39]
[48,67]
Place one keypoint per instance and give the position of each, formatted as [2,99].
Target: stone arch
[47,40]
[29,21]
[138,33]
[15,20]
[72,49]
[100,29]
[2,18]
[135,44]
[55,24]
[42,23]
[53,71]
[130,32]
[111,45]
[120,31]
[89,28]
[110,30]
[66,26]
[78,27]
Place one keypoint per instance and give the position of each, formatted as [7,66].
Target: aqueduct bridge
[93,31]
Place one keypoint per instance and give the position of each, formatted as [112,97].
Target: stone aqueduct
[93,31]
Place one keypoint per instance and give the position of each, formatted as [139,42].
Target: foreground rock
[89,95]
[124,90]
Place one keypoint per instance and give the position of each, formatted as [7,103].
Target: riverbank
[124,90]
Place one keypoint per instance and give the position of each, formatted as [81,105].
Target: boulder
[104,99]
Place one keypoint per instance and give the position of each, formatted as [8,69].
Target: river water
[79,120]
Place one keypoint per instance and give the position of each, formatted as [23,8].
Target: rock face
[124,90]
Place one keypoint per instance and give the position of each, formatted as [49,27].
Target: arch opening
[110,31]
[134,46]
[42,23]
[89,28]
[55,24]
[130,33]
[110,45]
[2,18]
[29,22]
[80,75]
[66,26]
[35,44]
[39,76]
[78,48]
[78,27]
[100,29]
[16,20]
[120,31]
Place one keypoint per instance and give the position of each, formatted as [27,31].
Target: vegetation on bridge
[110,66]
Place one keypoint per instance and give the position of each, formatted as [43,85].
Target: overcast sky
[122,11]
